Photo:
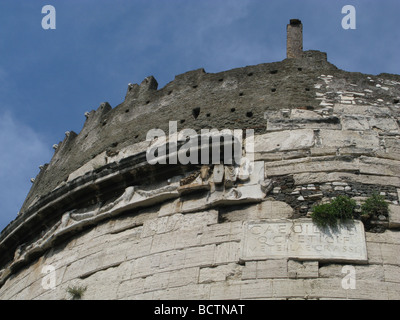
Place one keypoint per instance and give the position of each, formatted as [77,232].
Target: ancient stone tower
[100,216]
[294,46]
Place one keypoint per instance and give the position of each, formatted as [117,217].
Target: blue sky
[49,78]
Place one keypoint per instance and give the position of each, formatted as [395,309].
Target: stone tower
[100,216]
[294,46]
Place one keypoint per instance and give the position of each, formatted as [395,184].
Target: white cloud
[22,150]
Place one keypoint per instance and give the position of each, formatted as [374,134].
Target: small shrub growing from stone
[374,207]
[328,214]
[76,292]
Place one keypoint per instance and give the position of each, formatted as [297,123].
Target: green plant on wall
[328,214]
[76,292]
[374,206]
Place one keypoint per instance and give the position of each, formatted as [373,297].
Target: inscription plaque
[303,240]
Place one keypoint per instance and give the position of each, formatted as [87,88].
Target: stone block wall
[196,256]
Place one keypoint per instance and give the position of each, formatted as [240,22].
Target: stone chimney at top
[294,46]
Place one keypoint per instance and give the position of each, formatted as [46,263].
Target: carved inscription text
[303,240]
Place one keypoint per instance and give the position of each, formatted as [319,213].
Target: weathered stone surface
[195,292]
[394,216]
[288,288]
[294,39]
[374,252]
[362,272]
[98,162]
[302,269]
[284,141]
[357,123]
[347,138]
[219,173]
[361,123]
[170,208]
[318,177]
[267,209]
[130,288]
[271,269]
[303,240]
[377,166]
[177,272]
[300,119]
[227,252]
[227,232]
[392,145]
[256,289]
[219,273]
[230,176]
[390,253]
[389,236]
[392,273]
[227,290]
[367,110]
[179,222]
[317,164]
[325,288]
[273,210]
[393,290]
[369,289]
[176,278]
[249,270]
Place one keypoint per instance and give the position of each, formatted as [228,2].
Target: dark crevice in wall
[196,112]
